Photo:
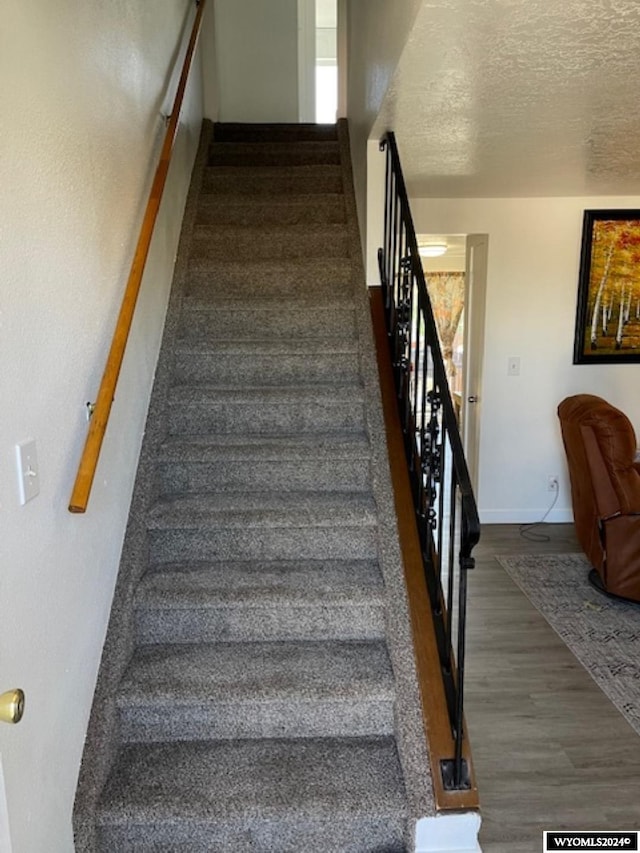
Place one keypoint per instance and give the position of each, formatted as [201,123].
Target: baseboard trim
[524,516]
[455,832]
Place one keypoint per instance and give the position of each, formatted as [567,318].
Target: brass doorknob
[12,706]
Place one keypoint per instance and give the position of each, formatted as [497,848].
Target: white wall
[343,57]
[376,32]
[83,84]
[534,256]
[257,60]
[209,63]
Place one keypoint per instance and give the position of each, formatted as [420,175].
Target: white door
[474,309]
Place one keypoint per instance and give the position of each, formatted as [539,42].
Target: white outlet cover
[28,473]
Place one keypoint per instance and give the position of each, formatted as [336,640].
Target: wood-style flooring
[550,750]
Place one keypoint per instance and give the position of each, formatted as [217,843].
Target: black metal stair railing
[446,511]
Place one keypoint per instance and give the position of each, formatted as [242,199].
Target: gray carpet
[602,633]
[257,690]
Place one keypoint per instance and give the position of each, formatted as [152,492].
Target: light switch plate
[28,474]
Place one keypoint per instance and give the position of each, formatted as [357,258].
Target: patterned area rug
[602,633]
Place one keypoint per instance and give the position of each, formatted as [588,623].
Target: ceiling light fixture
[432,250]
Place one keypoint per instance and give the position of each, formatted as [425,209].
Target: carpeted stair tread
[325,277]
[273,525]
[298,171]
[270,241]
[178,584]
[270,537]
[198,464]
[247,210]
[272,180]
[222,672]
[275,448]
[260,600]
[273,132]
[297,153]
[343,794]
[330,407]
[297,398]
[280,362]
[181,394]
[202,321]
[255,509]
[233,690]
[265,302]
[271,231]
[259,348]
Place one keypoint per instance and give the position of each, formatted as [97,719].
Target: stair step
[279,209]
[260,509]
[261,600]
[324,277]
[295,463]
[204,321]
[258,708]
[255,690]
[256,363]
[329,795]
[263,525]
[265,132]
[295,153]
[265,411]
[271,242]
[272,180]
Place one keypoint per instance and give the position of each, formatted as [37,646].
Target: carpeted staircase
[247,699]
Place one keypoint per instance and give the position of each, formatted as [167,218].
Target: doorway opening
[455,267]
[444,264]
[318,61]
[326,61]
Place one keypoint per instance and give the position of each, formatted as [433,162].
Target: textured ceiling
[519,98]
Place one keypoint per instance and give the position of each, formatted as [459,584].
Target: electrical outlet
[553,484]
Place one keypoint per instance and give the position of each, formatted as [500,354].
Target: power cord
[526,530]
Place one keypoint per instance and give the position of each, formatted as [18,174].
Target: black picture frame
[607,327]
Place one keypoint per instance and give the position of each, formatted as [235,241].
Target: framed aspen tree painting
[608,315]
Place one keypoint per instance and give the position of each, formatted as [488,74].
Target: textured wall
[377,31]
[532,281]
[83,84]
[257,59]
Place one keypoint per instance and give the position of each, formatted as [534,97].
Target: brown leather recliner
[605,490]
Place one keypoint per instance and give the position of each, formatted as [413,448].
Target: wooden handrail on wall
[102,409]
